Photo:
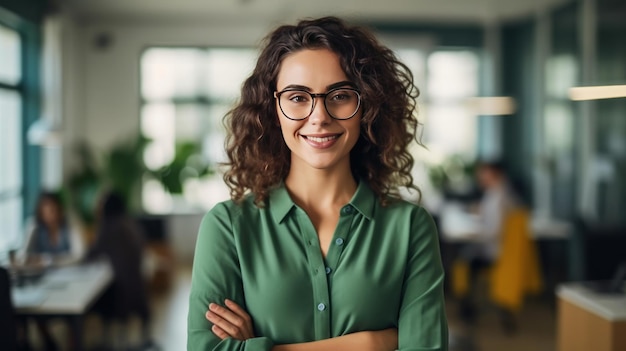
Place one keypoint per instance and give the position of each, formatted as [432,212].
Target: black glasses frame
[277,95]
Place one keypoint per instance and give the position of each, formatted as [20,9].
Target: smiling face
[319,141]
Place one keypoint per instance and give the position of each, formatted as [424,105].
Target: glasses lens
[342,103]
[296,104]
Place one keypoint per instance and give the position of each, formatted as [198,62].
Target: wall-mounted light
[44,133]
[597,92]
[492,105]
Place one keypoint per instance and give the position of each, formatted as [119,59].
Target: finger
[233,306]
[219,332]
[226,326]
[241,324]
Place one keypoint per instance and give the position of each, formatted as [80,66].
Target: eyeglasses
[340,103]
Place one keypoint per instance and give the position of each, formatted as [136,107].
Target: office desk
[589,320]
[66,292]
[461,226]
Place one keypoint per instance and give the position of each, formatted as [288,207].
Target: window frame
[28,27]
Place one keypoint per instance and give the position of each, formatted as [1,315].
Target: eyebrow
[329,87]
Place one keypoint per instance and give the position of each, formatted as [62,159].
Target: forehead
[315,69]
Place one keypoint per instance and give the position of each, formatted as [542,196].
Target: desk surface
[458,225]
[610,307]
[64,291]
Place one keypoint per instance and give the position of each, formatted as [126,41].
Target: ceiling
[264,11]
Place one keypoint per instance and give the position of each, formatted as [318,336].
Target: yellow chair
[515,273]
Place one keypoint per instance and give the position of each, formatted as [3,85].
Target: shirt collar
[280,203]
[364,200]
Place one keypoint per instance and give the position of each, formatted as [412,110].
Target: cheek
[355,128]
[288,131]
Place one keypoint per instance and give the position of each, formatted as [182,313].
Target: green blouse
[382,270]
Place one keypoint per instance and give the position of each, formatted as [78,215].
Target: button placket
[339,242]
[319,282]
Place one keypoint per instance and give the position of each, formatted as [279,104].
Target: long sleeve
[422,324]
[216,276]
[77,247]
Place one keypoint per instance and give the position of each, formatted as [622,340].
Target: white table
[66,292]
[459,226]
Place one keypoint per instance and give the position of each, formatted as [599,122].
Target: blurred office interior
[97,94]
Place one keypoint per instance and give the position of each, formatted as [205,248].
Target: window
[451,127]
[11,140]
[446,79]
[186,92]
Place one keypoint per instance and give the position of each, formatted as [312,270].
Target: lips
[321,141]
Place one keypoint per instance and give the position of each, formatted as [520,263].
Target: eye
[341,96]
[296,97]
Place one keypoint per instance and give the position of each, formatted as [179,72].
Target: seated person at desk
[120,240]
[52,239]
[498,199]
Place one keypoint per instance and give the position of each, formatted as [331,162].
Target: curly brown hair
[259,159]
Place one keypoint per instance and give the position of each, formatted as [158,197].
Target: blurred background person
[498,199]
[120,240]
[53,239]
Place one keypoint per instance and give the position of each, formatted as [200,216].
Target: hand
[231,321]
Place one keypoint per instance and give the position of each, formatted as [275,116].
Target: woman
[52,241]
[52,237]
[316,251]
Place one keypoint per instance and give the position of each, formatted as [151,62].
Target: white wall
[101,89]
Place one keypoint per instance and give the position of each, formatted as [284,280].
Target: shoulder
[409,220]
[229,210]
[402,209]
[228,214]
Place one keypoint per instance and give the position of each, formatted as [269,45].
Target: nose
[319,115]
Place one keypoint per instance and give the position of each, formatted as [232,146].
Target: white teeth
[322,140]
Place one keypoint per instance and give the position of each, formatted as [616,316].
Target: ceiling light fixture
[492,105]
[597,92]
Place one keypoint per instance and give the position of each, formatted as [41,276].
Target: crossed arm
[232,321]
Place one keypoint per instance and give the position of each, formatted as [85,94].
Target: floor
[536,325]
[536,330]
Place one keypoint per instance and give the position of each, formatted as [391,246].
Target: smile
[321,139]
[321,142]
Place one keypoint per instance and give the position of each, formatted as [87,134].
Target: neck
[310,187]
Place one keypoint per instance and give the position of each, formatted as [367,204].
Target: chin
[323,163]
